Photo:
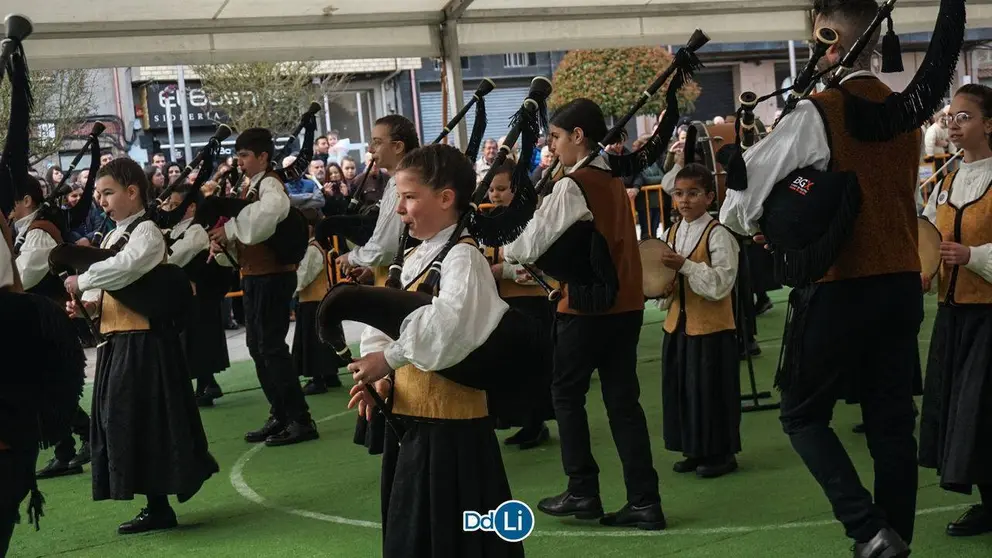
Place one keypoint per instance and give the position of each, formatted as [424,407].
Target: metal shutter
[717,98]
[501,104]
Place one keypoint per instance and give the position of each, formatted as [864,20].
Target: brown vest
[50,285]
[47,226]
[417,393]
[884,239]
[9,239]
[702,316]
[508,288]
[607,200]
[315,291]
[969,225]
[259,259]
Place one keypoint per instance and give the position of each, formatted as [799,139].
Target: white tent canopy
[108,33]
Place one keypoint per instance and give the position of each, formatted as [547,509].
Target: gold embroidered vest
[315,291]
[424,394]
[702,316]
[969,225]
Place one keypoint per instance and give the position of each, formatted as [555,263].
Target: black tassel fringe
[903,112]
[478,130]
[14,166]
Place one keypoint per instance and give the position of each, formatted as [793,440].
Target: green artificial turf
[313,492]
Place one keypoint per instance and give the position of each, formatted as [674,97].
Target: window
[437,64]
[519,59]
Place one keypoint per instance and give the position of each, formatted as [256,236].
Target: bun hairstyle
[401,129]
[126,172]
[982,94]
[442,166]
[585,114]
[700,174]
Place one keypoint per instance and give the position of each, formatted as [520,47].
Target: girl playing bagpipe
[146,434]
[519,291]
[700,375]
[956,423]
[447,459]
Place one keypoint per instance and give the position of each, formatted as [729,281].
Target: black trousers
[267,304]
[607,343]
[65,450]
[860,334]
[16,481]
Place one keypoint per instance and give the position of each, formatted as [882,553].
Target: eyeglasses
[377,142]
[960,118]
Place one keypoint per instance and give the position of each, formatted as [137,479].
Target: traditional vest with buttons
[417,393]
[259,259]
[968,225]
[315,291]
[508,288]
[702,316]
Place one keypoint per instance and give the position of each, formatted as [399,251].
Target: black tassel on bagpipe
[907,110]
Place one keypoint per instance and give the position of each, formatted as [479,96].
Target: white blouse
[144,250]
[193,239]
[310,267]
[970,183]
[381,248]
[458,321]
[714,281]
[32,260]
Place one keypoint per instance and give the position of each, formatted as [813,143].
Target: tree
[62,101]
[264,94]
[615,78]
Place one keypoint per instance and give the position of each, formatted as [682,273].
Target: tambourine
[929,247]
[657,277]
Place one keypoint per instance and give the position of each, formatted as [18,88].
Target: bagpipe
[357,220]
[580,258]
[290,239]
[162,295]
[386,308]
[806,228]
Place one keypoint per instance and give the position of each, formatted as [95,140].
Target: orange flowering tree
[615,78]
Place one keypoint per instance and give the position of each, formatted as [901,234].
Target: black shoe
[149,521]
[535,438]
[83,456]
[204,401]
[885,544]
[859,428]
[58,468]
[718,467]
[763,305]
[314,387]
[648,517]
[565,504]
[271,426]
[296,432]
[213,392]
[515,439]
[752,348]
[687,465]
[976,521]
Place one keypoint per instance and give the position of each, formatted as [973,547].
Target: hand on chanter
[71,284]
[74,311]
[370,368]
[218,235]
[360,396]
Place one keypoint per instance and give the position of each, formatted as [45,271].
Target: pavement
[236,347]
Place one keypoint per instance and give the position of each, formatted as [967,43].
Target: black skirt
[956,422]
[442,469]
[205,338]
[700,392]
[145,434]
[535,405]
[311,358]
